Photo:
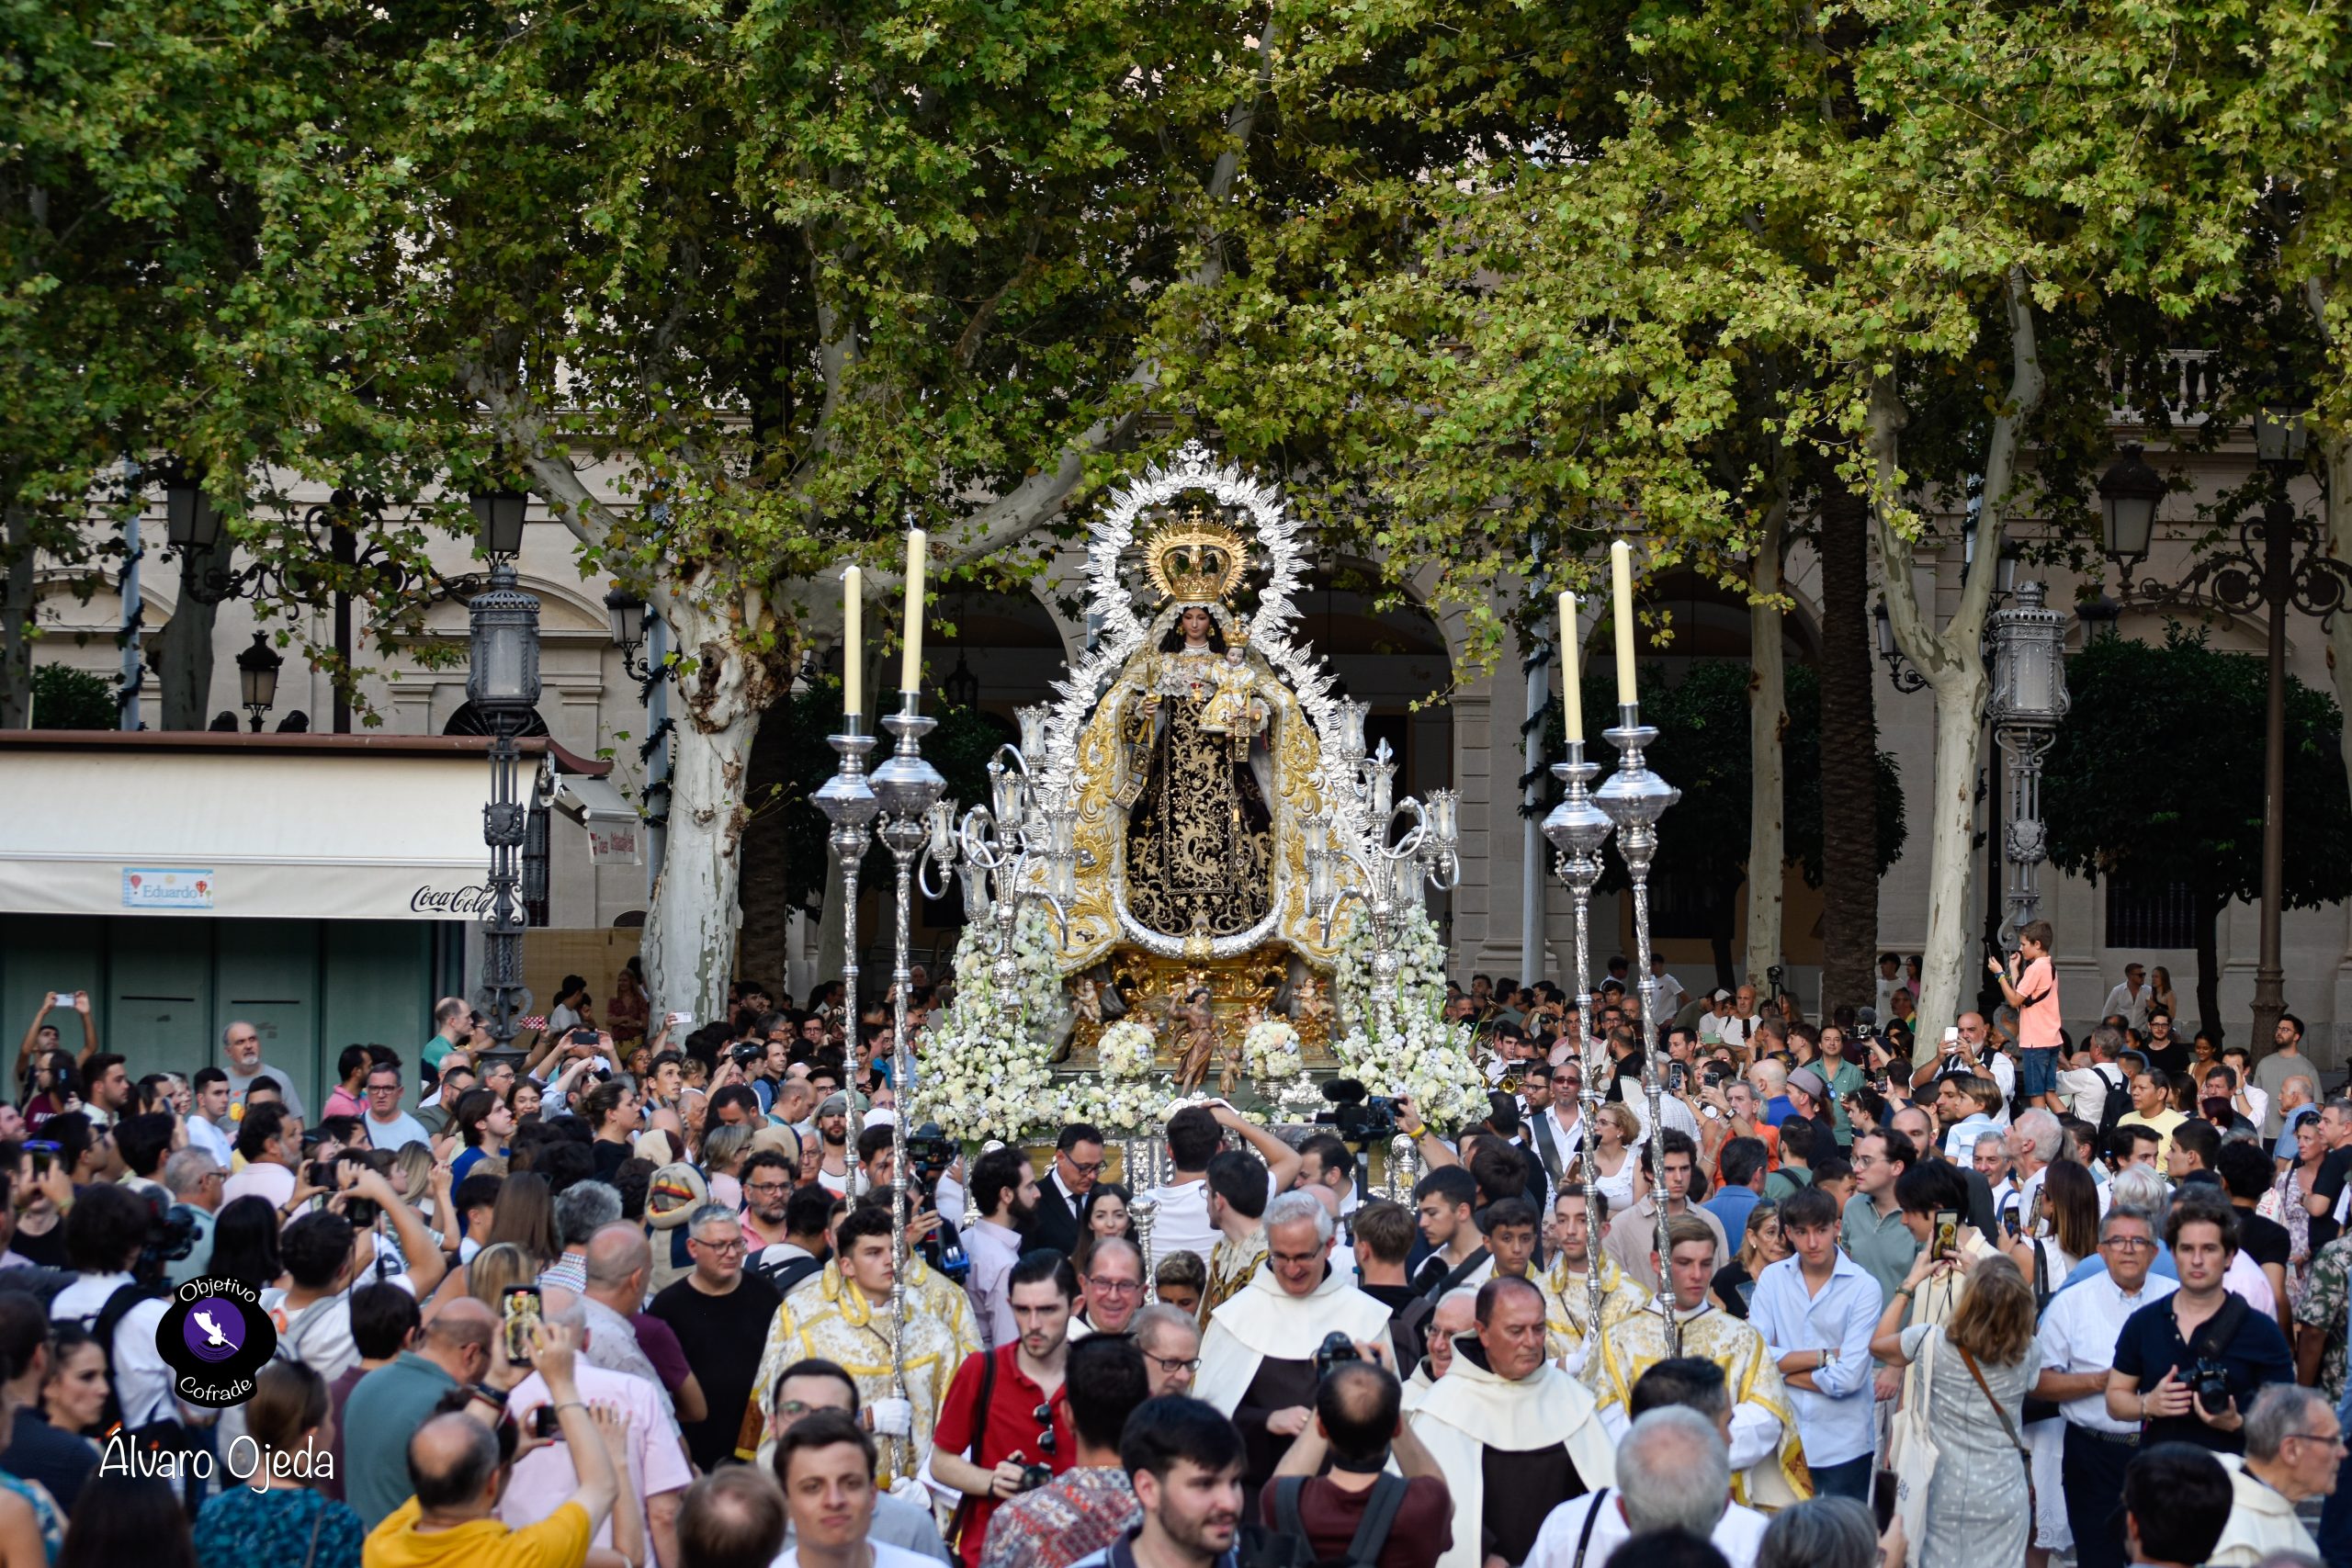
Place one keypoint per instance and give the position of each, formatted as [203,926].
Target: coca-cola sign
[455,902]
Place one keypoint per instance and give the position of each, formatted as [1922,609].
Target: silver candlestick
[904,788]
[1578,830]
[1635,797]
[847,800]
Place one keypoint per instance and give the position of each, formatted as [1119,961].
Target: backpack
[102,1326]
[1289,1543]
[2118,1098]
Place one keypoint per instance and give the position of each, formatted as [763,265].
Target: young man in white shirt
[826,1463]
[2129,999]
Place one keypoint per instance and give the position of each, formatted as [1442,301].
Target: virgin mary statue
[1199,840]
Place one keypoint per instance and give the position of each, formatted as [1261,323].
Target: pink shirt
[2038,1023]
[544,1478]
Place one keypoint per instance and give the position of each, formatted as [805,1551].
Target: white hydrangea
[1125,1050]
[1273,1051]
[1424,1057]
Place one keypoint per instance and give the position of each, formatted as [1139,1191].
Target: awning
[330,827]
[611,821]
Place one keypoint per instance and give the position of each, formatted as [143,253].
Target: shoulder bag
[2024,1454]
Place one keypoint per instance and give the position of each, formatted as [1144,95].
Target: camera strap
[2217,1331]
[965,1505]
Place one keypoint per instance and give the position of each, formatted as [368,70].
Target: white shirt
[993,1249]
[204,1135]
[2086,1088]
[2079,1331]
[1738,1535]
[1676,1114]
[1182,1225]
[544,1477]
[1671,996]
[2133,1009]
[885,1556]
[260,1179]
[142,1380]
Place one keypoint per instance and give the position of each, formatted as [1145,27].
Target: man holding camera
[1355,1512]
[1258,1360]
[1004,1428]
[2187,1368]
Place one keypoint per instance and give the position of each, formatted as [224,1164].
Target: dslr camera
[750,1054]
[2210,1381]
[1336,1347]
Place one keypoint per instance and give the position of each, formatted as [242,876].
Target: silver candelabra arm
[906,787]
[1634,798]
[847,800]
[1578,830]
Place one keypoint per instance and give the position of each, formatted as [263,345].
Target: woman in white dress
[1620,1174]
[2065,1232]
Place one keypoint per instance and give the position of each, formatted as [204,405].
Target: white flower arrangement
[983,1071]
[1272,1050]
[1424,1057]
[1125,1050]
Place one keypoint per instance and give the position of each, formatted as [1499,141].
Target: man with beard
[1515,1436]
[832,1146]
[1258,1360]
[1005,1410]
[1569,1276]
[1184,1461]
[767,1178]
[1003,1193]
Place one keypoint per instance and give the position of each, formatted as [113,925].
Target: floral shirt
[2322,1308]
[1076,1515]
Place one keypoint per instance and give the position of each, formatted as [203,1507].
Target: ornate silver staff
[904,789]
[1635,797]
[1578,830]
[847,801]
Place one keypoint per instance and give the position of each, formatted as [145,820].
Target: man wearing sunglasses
[1005,1414]
[1078,1164]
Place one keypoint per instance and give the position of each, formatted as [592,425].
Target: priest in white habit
[1457,1314]
[1514,1435]
[1258,1359]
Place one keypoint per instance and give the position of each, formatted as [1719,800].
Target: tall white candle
[1571,689]
[853,640]
[1621,583]
[910,658]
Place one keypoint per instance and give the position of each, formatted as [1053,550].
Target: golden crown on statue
[1196,559]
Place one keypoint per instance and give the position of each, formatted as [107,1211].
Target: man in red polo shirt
[983,1453]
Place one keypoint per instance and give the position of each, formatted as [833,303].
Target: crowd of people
[638,1299]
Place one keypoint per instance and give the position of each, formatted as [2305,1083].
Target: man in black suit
[1078,1160]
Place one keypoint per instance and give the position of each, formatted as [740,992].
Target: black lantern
[257,677]
[498,518]
[627,613]
[2278,435]
[2130,493]
[503,675]
[190,520]
[961,688]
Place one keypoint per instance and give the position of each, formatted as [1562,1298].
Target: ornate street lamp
[2279,564]
[2028,704]
[190,520]
[2129,493]
[1898,668]
[502,684]
[258,670]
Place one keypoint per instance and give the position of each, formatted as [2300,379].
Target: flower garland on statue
[1427,1057]
[1272,1050]
[974,1076]
[1123,1097]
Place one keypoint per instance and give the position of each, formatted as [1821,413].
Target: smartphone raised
[1947,1237]
[518,1310]
[61,998]
[545,1423]
[44,1154]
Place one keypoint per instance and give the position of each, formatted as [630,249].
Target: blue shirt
[1833,1423]
[2149,1346]
[1732,1206]
[2285,1147]
[1778,1109]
